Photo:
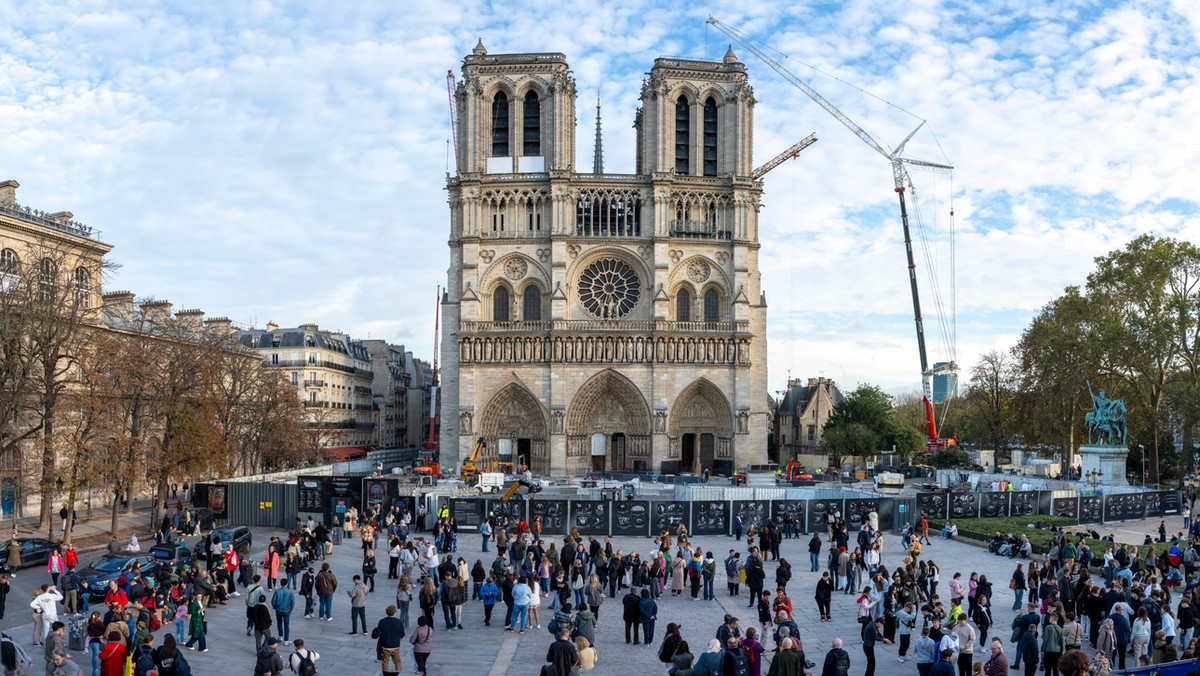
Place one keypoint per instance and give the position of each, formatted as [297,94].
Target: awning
[344,453]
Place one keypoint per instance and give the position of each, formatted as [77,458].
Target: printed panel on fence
[311,494]
[666,516]
[710,517]
[631,517]
[1122,507]
[1024,503]
[963,506]
[858,512]
[887,514]
[1068,507]
[1172,502]
[467,513]
[513,510]
[821,513]
[993,504]
[590,517]
[935,505]
[1152,507]
[1044,498]
[1091,509]
[552,513]
[751,511]
[781,509]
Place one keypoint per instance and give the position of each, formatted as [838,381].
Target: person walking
[260,616]
[358,605]
[823,596]
[302,660]
[966,645]
[325,585]
[1027,650]
[871,635]
[422,643]
[283,601]
[196,625]
[1017,584]
[369,569]
[390,632]
[308,583]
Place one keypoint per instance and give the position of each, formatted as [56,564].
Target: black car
[109,567]
[222,538]
[171,556]
[34,551]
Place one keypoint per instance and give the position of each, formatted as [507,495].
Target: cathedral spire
[598,158]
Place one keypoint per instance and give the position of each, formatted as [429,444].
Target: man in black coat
[632,614]
[837,661]
[562,654]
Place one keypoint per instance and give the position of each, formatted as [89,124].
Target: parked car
[223,537]
[109,567]
[34,551]
[171,557]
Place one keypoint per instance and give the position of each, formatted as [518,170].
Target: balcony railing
[359,389]
[694,229]
[314,383]
[617,325]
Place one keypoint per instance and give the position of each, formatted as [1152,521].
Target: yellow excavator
[529,486]
[470,472]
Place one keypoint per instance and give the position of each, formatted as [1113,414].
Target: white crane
[900,179]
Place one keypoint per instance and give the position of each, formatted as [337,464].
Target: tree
[907,441]
[949,457]
[860,424]
[990,398]
[1141,290]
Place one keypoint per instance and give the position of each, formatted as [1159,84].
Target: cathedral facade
[599,321]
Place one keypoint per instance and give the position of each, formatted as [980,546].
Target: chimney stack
[220,326]
[157,311]
[63,217]
[310,327]
[272,326]
[8,191]
[192,320]
[118,304]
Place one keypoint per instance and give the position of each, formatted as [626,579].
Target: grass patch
[1039,536]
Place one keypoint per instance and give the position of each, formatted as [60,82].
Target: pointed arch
[700,428]
[500,125]
[531,124]
[709,139]
[683,135]
[514,415]
[609,405]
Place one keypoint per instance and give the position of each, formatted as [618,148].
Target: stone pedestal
[1108,460]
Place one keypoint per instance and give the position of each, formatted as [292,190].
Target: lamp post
[1093,477]
[1142,450]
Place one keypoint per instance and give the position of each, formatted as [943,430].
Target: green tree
[949,457]
[860,424]
[991,397]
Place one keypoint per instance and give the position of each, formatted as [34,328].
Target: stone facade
[603,321]
[799,423]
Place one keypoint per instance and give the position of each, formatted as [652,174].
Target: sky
[286,161]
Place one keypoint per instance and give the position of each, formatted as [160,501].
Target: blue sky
[286,161]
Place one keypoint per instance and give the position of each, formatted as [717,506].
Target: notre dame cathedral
[599,321]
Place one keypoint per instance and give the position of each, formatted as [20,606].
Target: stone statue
[1106,420]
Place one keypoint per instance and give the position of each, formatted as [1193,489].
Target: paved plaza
[491,650]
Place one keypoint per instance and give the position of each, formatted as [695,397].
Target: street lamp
[1142,450]
[1093,477]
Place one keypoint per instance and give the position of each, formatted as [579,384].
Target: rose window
[608,289]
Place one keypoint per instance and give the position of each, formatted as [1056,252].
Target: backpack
[307,666]
[262,665]
[731,567]
[175,666]
[741,666]
[144,662]
[553,627]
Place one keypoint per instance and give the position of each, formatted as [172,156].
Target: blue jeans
[520,617]
[1018,594]
[291,577]
[485,540]
[357,614]
[283,623]
[814,561]
[201,638]
[578,599]
[450,614]
[94,646]
[324,606]
[708,588]
[180,628]
[647,631]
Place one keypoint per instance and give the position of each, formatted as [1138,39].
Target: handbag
[1012,584]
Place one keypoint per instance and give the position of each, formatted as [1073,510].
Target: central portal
[608,426]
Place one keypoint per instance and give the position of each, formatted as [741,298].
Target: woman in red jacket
[112,656]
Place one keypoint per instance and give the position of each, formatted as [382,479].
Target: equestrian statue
[1106,420]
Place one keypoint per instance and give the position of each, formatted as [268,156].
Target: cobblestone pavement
[493,651]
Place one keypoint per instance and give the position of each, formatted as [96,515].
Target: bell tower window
[710,137]
[683,306]
[683,124]
[531,304]
[711,306]
[532,125]
[500,125]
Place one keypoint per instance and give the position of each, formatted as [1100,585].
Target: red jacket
[112,659]
[231,561]
[118,597]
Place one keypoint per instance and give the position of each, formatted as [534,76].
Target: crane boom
[784,156]
[900,180]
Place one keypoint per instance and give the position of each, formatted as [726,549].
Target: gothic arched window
[712,306]
[500,304]
[710,137]
[500,125]
[683,126]
[683,306]
[531,304]
[532,125]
